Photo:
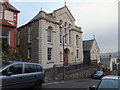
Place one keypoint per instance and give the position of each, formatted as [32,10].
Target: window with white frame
[29,34]
[60,34]
[49,50]
[29,53]
[9,15]
[49,34]
[1,11]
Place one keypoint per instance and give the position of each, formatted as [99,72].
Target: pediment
[64,13]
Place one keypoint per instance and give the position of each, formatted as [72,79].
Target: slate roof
[87,45]
[11,7]
[35,18]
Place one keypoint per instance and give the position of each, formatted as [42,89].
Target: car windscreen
[108,84]
[99,72]
[4,63]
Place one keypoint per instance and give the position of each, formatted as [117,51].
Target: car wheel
[38,85]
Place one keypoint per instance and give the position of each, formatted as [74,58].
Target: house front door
[66,59]
[66,52]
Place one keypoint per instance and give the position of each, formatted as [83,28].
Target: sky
[96,17]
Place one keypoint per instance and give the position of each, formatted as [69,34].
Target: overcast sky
[96,17]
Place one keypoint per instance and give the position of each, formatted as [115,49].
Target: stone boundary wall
[71,72]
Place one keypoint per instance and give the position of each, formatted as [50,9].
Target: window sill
[29,42]
[50,43]
[48,62]
[77,46]
[77,59]
[61,61]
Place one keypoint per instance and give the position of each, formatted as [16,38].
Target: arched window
[61,21]
[77,40]
[49,34]
[65,36]
[65,24]
[77,53]
[60,32]
[69,36]
[69,26]
[61,56]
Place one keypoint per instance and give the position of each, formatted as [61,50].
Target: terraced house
[8,23]
[41,39]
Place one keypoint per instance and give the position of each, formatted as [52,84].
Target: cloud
[96,17]
[99,19]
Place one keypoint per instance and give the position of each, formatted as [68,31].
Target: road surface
[83,83]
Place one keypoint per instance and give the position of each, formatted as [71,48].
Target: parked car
[21,75]
[107,83]
[98,75]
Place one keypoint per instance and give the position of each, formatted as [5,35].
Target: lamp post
[64,58]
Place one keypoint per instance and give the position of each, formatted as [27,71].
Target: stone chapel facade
[41,39]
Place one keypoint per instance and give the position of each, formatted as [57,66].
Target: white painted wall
[56,46]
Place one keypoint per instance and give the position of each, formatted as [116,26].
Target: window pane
[109,84]
[69,37]
[30,68]
[0,15]
[29,34]
[1,8]
[49,53]
[16,69]
[77,52]
[65,36]
[77,40]
[39,68]
[5,33]
[9,15]
[29,53]
[4,72]
[60,35]
[49,34]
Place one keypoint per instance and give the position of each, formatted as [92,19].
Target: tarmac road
[82,83]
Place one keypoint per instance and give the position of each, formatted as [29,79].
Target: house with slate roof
[8,23]
[41,39]
[91,52]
